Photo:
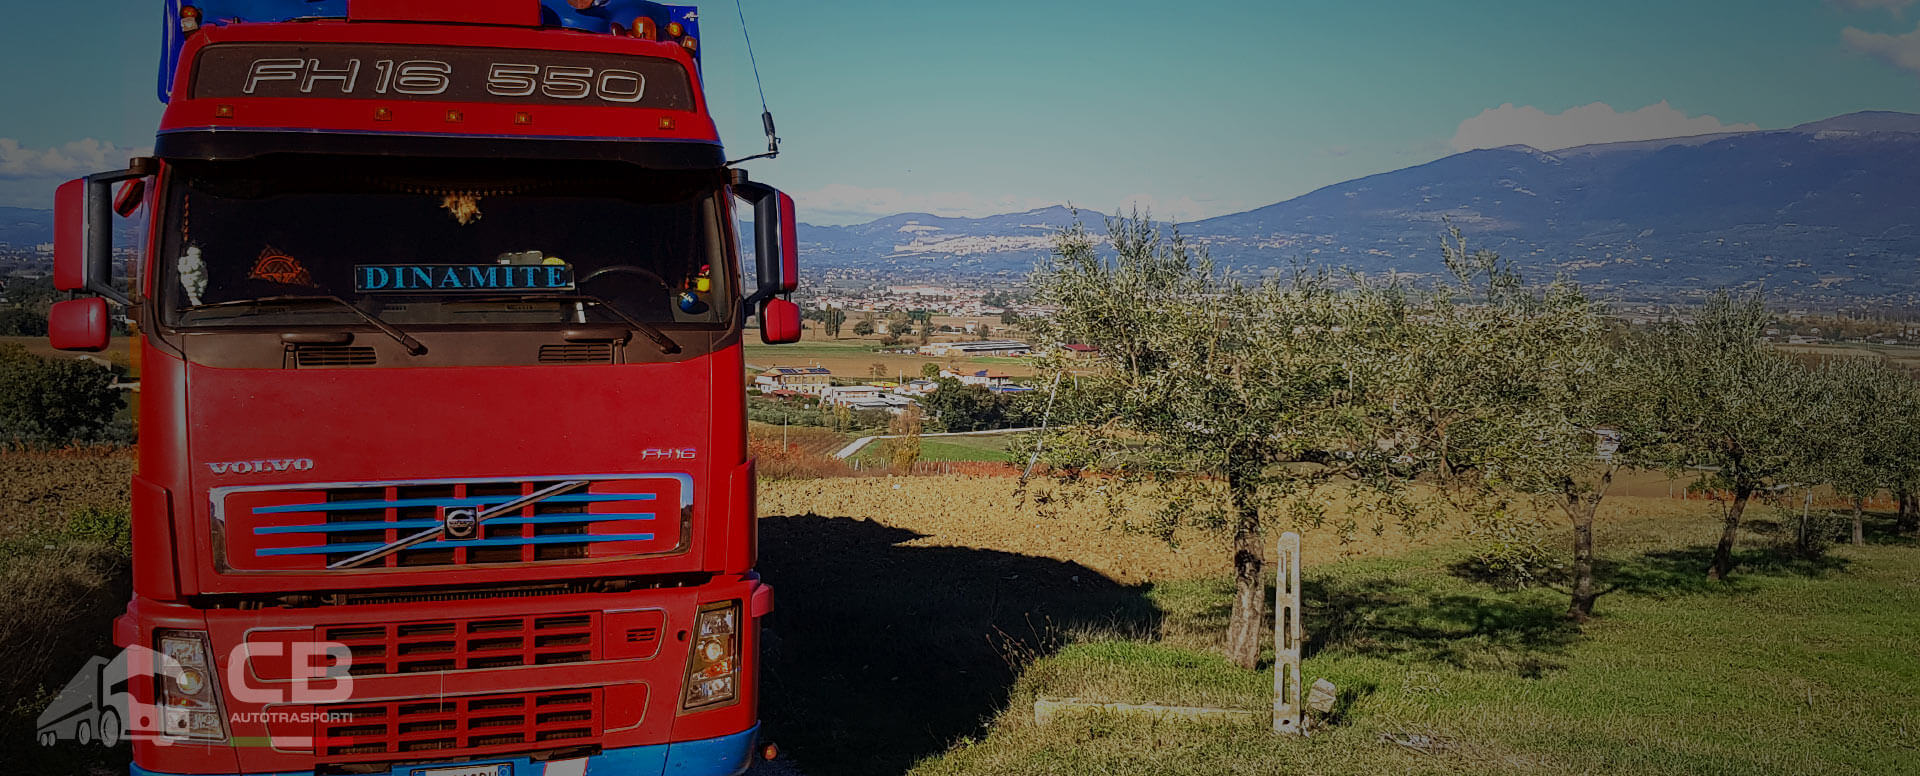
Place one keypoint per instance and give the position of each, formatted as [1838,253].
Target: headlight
[713,665]
[188,696]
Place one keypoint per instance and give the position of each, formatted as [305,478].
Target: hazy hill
[1823,209]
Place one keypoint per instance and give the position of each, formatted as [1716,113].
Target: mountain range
[1825,209]
[1828,209]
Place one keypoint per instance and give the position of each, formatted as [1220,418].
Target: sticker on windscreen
[444,278]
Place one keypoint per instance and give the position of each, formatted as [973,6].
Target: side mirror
[83,229]
[779,322]
[776,247]
[81,324]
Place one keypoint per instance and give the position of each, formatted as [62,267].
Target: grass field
[990,447]
[856,358]
[1904,356]
[118,352]
[983,600]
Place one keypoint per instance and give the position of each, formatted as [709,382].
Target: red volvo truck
[442,462]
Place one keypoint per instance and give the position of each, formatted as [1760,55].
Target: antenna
[766,116]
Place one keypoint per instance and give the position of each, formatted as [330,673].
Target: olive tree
[1494,388]
[1206,388]
[1730,405]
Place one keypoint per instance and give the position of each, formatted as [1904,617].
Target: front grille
[578,353]
[452,645]
[312,356]
[475,725]
[315,527]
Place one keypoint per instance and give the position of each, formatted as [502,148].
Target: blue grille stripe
[471,501]
[513,542]
[375,525]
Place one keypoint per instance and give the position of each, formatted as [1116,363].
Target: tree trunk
[1581,512]
[1581,507]
[1247,621]
[1859,523]
[1723,554]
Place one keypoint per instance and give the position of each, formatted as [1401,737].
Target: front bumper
[722,756]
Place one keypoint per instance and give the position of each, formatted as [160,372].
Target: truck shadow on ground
[879,654]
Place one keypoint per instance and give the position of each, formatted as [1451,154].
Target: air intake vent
[577,353]
[311,356]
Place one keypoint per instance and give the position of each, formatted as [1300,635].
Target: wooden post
[1288,717]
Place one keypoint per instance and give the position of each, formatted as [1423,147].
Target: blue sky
[1192,109]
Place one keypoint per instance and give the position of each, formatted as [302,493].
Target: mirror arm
[99,235]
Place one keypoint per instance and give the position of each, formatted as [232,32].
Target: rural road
[849,450]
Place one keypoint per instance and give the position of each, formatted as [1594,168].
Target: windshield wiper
[658,337]
[406,340]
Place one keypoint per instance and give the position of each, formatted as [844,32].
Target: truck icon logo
[460,523]
[95,707]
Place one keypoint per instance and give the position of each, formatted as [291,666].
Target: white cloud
[71,160]
[1902,50]
[1584,125]
[1895,6]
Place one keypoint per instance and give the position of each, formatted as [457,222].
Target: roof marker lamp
[713,668]
[189,18]
[644,29]
[188,696]
[675,29]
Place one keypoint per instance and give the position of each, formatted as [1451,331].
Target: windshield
[441,243]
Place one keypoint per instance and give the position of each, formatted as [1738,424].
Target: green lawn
[950,448]
[1795,667]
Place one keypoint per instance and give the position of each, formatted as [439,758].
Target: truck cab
[442,466]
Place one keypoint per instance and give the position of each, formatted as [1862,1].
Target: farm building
[800,379]
[982,348]
[987,378]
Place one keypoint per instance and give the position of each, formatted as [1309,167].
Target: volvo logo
[460,522]
[262,466]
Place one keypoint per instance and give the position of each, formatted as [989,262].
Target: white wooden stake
[1287,713]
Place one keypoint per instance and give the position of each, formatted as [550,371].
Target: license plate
[496,769]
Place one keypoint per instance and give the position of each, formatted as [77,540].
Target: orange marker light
[692,44]
[382,114]
[523,117]
[667,122]
[189,18]
[223,111]
[675,30]
[454,117]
